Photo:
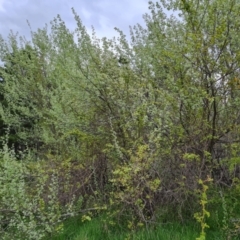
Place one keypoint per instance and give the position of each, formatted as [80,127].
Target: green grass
[97,229]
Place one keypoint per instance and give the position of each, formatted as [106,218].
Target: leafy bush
[31,198]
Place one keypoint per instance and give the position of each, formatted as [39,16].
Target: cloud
[103,15]
[86,14]
[1,5]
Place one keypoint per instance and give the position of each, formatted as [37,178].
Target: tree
[192,63]
[18,107]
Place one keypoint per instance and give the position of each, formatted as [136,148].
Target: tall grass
[97,229]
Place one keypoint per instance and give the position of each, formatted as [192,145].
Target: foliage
[29,205]
[130,127]
[134,188]
[201,216]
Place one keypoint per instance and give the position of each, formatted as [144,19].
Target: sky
[103,15]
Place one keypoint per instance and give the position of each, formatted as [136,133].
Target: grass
[97,229]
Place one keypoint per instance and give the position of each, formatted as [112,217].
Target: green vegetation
[98,229]
[135,140]
[75,229]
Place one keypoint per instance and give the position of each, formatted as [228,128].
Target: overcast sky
[104,15]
